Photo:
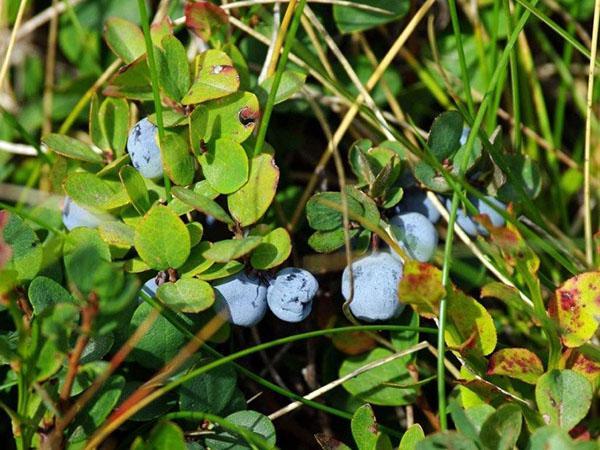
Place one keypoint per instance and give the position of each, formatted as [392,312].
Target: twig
[11,42]
[276,24]
[351,113]
[49,78]
[88,313]
[587,209]
[113,365]
[43,17]
[149,391]
[329,386]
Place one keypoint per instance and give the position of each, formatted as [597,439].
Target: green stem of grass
[514,78]
[155,87]
[289,41]
[175,319]
[496,77]
[461,56]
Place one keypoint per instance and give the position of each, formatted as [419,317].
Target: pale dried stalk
[329,386]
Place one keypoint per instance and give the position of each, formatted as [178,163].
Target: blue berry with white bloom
[415,234]
[463,220]
[243,298]
[291,293]
[142,146]
[416,200]
[74,216]
[376,279]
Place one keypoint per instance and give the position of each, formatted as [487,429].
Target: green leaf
[220,270]
[323,218]
[225,165]
[501,430]
[421,287]
[177,160]
[202,204]
[161,239]
[551,437]
[131,81]
[196,262]
[124,38]
[161,342]
[97,409]
[204,18]
[196,231]
[450,440]
[135,187]
[471,327]
[291,83]
[273,250]
[96,133]
[234,116]
[576,308]
[173,68]
[159,30]
[210,392]
[253,421]
[216,78]
[444,136]
[248,204]
[91,191]
[188,295]
[226,250]
[71,148]
[349,19]
[166,435]
[330,443]
[114,123]
[117,234]
[563,397]
[366,431]
[329,241]
[369,386]
[201,187]
[44,292]
[518,363]
[411,437]
[26,252]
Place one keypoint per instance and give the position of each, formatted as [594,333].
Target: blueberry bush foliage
[336,224]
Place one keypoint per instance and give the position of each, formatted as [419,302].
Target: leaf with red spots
[513,247]
[470,328]
[507,294]
[421,287]
[204,18]
[576,308]
[518,363]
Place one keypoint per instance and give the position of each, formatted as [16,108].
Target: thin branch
[329,386]
[11,42]
[587,208]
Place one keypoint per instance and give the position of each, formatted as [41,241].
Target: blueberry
[483,208]
[415,200]
[376,279]
[142,146]
[150,287]
[415,234]
[291,293]
[464,136]
[74,216]
[465,222]
[243,297]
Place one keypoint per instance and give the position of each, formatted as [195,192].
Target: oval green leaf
[248,204]
[216,78]
[563,397]
[225,165]
[161,239]
[202,204]
[188,295]
[71,148]
[274,249]
[227,250]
